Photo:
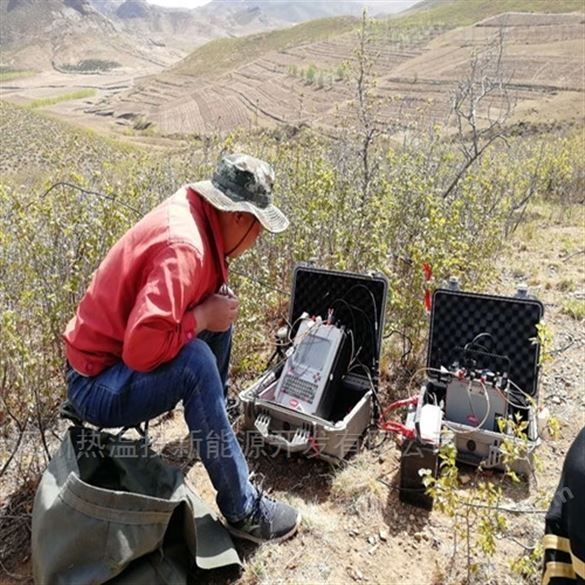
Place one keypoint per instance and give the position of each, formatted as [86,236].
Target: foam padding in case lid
[458,317]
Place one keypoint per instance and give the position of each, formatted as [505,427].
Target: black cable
[477,338]
[86,192]
[341,300]
[405,338]
[362,338]
[374,307]
[378,410]
[373,446]
[374,313]
[353,321]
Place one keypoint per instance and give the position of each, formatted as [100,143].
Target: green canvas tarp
[109,510]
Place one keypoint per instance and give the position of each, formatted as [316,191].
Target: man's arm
[160,323]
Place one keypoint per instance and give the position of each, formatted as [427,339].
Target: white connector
[429,426]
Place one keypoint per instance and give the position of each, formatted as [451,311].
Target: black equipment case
[507,329]
[359,302]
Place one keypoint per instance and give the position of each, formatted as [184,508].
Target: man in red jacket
[154,328]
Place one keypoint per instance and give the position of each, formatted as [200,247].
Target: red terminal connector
[393,426]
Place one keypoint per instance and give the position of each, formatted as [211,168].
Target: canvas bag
[109,510]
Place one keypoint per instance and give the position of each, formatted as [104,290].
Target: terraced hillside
[294,80]
[301,75]
[542,62]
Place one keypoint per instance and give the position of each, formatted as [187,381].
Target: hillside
[355,529]
[455,13]
[182,28]
[223,55]
[24,20]
[63,34]
[299,74]
[35,142]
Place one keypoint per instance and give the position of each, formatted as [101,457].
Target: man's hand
[216,313]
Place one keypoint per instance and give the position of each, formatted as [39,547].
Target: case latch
[262,424]
[494,457]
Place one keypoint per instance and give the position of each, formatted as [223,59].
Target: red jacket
[138,307]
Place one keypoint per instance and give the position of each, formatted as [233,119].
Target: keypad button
[299,388]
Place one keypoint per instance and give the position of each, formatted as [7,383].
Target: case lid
[358,302]
[496,332]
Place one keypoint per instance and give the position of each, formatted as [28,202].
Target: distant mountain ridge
[39,34]
[45,34]
[133,9]
[294,12]
[25,20]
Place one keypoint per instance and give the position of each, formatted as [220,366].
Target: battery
[415,457]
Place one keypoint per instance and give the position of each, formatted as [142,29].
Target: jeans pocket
[77,391]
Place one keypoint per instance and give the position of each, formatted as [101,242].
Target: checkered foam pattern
[358,302]
[458,317]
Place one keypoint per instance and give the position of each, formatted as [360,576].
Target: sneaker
[269,521]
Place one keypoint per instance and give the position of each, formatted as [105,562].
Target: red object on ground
[428,275]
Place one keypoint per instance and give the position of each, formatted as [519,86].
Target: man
[154,328]
[564,539]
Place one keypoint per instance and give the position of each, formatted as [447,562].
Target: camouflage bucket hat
[244,183]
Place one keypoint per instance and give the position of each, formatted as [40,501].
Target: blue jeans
[119,396]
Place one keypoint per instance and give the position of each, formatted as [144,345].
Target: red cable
[393,426]
[314,446]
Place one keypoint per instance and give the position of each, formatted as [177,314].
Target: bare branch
[482,91]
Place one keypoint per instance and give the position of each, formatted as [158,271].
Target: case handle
[301,440]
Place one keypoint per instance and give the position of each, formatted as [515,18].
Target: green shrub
[574,308]
[90,65]
[311,73]
[51,244]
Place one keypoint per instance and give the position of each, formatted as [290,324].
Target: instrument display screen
[308,371]
[312,352]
